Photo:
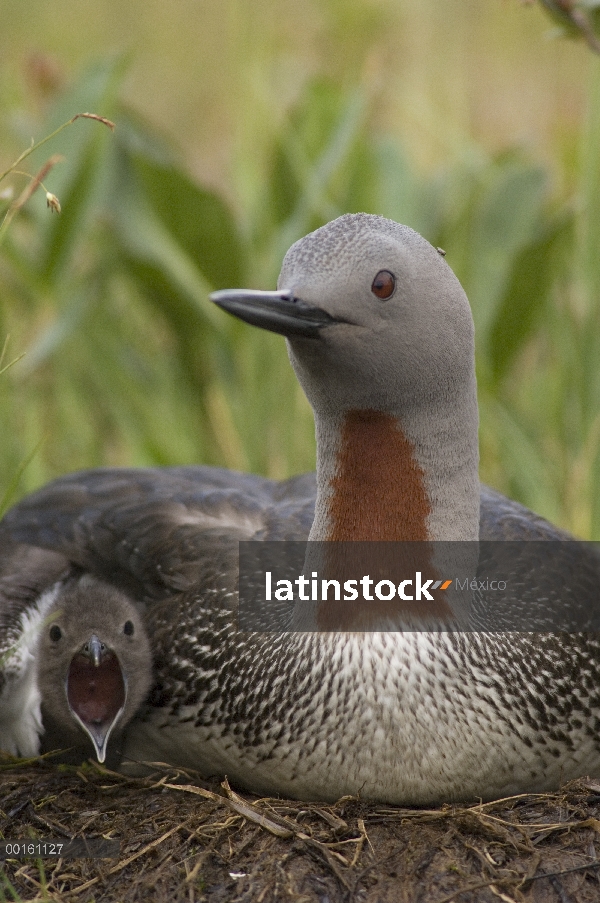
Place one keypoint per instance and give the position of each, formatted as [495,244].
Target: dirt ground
[181,839]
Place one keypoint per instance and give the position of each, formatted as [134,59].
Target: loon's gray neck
[399,476]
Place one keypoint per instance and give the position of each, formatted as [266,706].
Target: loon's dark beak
[279,312]
[94,649]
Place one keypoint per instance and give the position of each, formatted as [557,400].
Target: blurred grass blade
[385,183]
[149,245]
[577,18]
[529,288]
[589,191]
[96,89]
[10,492]
[528,474]
[4,367]
[505,219]
[198,220]
[314,206]
[68,320]
[65,232]
[156,258]
[308,180]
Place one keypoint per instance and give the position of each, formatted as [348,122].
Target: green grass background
[240,126]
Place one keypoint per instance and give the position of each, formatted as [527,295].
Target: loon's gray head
[400,331]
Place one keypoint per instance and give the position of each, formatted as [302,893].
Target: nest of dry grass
[182,839]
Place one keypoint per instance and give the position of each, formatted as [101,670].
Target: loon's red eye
[383,285]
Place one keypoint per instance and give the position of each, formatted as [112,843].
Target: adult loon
[380,335]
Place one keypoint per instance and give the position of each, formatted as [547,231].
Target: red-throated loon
[75,661]
[380,335]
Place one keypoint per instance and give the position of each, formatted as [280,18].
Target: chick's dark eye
[128,628]
[383,285]
[55,633]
